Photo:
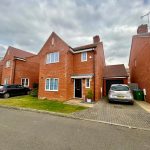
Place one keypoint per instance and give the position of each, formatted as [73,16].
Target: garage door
[110,82]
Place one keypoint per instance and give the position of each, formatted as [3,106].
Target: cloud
[27,24]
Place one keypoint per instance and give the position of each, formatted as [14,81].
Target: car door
[11,89]
[20,89]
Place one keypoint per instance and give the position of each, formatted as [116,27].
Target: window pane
[23,82]
[51,84]
[52,57]
[56,57]
[56,84]
[27,81]
[87,82]
[48,59]
[84,56]
[47,84]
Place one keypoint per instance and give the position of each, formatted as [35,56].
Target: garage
[114,74]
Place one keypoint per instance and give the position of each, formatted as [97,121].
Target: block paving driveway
[129,115]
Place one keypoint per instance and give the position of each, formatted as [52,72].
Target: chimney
[96,39]
[142,29]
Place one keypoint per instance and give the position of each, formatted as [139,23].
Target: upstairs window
[7,63]
[84,56]
[52,58]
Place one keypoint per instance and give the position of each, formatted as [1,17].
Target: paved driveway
[129,115]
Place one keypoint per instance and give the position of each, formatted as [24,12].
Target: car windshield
[119,88]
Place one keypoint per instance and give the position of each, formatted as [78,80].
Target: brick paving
[130,115]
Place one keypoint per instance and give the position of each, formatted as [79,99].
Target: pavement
[25,130]
[118,114]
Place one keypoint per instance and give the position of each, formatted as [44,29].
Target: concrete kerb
[35,110]
[72,117]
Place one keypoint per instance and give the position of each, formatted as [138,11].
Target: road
[23,130]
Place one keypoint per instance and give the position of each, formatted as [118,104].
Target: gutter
[80,51]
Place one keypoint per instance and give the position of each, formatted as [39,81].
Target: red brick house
[67,72]
[139,62]
[114,74]
[20,67]
[1,68]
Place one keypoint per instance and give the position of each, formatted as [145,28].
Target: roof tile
[115,71]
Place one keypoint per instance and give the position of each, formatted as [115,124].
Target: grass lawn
[35,103]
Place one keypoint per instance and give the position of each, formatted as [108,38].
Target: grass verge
[35,103]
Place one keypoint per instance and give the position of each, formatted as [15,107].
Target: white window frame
[8,64]
[82,58]
[50,60]
[25,82]
[86,83]
[54,90]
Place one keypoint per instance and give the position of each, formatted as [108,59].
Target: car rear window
[1,86]
[119,88]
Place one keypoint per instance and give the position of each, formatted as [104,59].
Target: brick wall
[27,69]
[1,68]
[140,63]
[55,70]
[7,72]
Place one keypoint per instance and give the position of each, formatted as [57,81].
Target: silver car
[120,93]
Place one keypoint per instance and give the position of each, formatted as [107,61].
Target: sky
[27,24]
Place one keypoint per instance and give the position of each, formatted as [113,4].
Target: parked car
[13,90]
[120,93]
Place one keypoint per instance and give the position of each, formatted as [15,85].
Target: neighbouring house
[139,62]
[67,72]
[1,68]
[114,74]
[20,67]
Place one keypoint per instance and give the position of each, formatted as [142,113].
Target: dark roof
[115,71]
[89,46]
[20,53]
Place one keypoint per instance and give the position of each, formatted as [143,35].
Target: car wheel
[109,101]
[28,92]
[6,95]
[131,103]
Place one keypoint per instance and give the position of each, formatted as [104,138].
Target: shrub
[34,92]
[89,94]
